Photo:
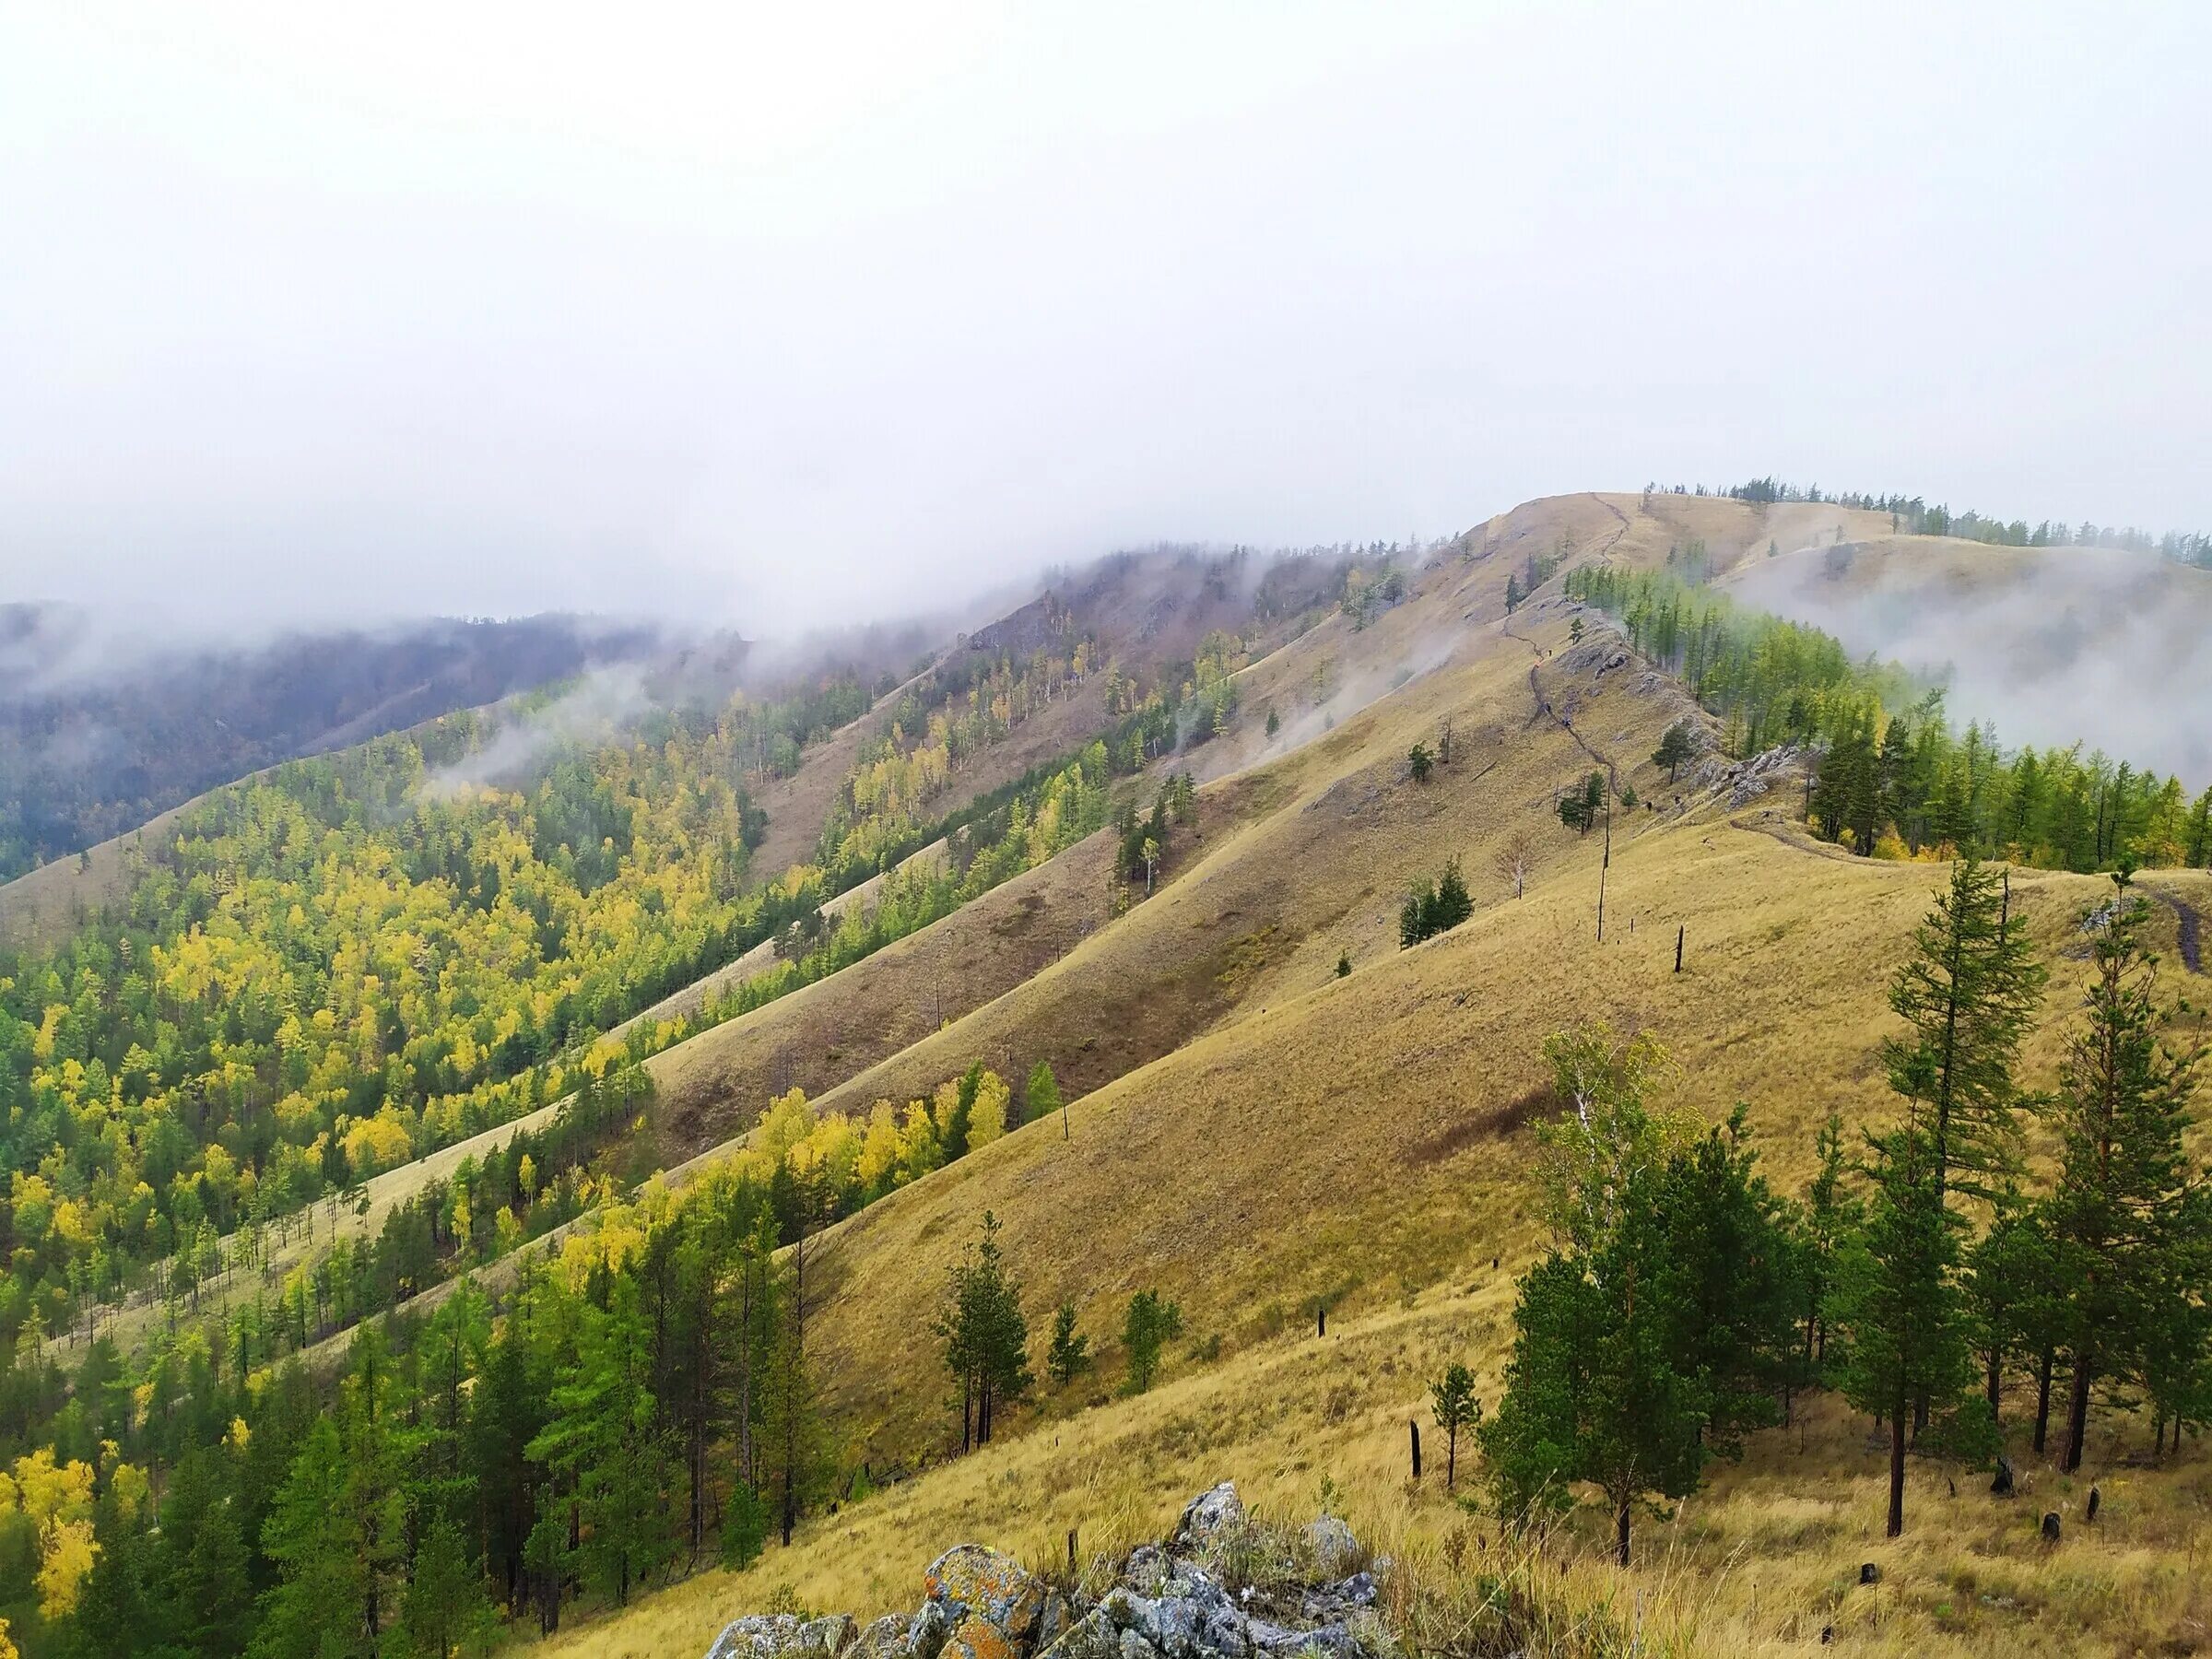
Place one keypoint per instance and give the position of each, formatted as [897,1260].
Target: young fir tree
[2120,1206]
[1419,763]
[986,1336]
[1067,1356]
[1151,1323]
[1451,1396]
[1451,905]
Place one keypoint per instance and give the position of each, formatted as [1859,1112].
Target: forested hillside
[102,727]
[1232,1178]
[1894,779]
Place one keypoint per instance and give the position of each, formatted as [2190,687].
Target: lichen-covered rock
[925,1633]
[1207,1517]
[1298,1598]
[886,1638]
[1052,1620]
[782,1636]
[1334,1639]
[1094,1636]
[1146,1568]
[976,1636]
[971,1581]
[1334,1551]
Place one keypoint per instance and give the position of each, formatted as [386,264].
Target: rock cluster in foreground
[1221,1587]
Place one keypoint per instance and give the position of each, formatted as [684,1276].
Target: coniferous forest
[1893,777]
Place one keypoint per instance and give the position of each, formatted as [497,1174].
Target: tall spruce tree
[1969,990]
[2121,1201]
[985,1335]
[790,1418]
[378,1446]
[313,1609]
[605,1438]
[1598,1388]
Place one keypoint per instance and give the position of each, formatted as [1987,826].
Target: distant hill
[102,729]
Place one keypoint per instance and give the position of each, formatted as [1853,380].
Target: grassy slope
[43,906]
[1366,1140]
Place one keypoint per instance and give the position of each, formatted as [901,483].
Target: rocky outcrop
[785,1636]
[1223,1586]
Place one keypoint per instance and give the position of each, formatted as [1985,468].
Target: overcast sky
[797,313]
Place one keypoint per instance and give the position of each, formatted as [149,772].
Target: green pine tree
[1451,1398]
[1069,1355]
[1151,1323]
[313,1609]
[1597,1389]
[444,1612]
[604,1439]
[205,1561]
[2120,1206]
[1676,745]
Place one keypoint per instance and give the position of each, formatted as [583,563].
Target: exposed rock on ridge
[1223,1586]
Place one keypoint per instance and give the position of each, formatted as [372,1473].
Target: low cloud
[2052,646]
[595,711]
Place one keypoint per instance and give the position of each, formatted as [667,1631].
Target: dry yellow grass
[1759,1562]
